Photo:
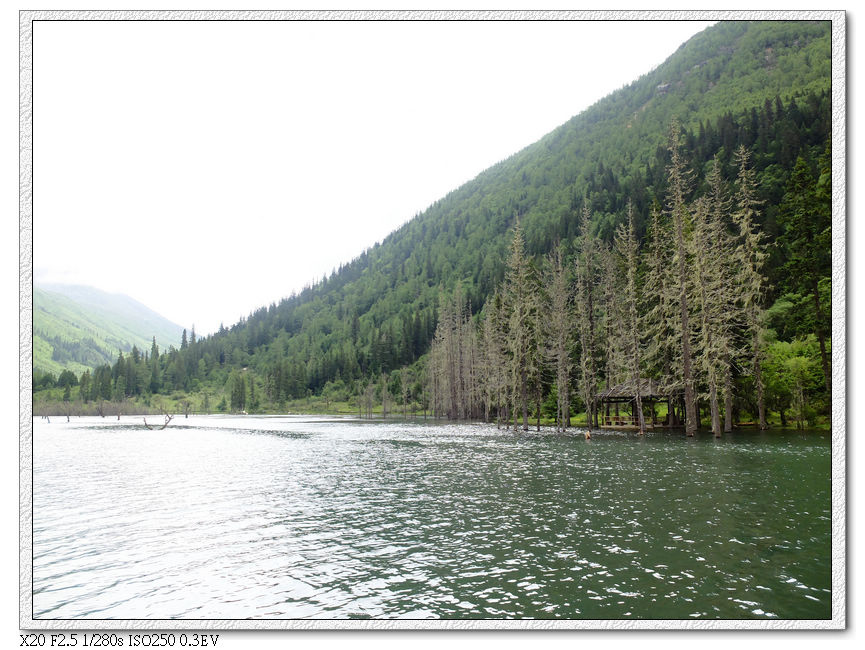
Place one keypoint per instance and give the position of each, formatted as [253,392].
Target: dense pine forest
[677,231]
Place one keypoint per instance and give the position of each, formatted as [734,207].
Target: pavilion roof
[650,388]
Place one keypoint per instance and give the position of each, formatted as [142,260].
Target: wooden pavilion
[617,405]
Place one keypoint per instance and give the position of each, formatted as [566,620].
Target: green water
[314,517]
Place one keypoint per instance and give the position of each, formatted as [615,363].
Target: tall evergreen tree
[806,218]
[558,335]
[721,280]
[709,303]
[628,248]
[585,289]
[519,289]
[494,359]
[749,257]
[660,312]
[155,374]
[680,180]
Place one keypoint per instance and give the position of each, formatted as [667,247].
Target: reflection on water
[294,517]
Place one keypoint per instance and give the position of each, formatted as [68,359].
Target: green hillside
[79,328]
[764,86]
[378,312]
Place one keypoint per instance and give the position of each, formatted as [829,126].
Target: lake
[224,517]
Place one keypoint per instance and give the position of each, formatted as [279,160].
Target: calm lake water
[294,517]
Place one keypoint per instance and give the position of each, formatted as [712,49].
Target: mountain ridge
[463,236]
[79,327]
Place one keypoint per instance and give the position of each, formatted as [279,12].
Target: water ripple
[291,517]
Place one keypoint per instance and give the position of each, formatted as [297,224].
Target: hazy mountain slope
[77,327]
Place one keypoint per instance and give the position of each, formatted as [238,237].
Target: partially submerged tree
[680,179]
[585,308]
[660,314]
[709,303]
[453,360]
[749,257]
[558,332]
[494,360]
[522,318]
[628,249]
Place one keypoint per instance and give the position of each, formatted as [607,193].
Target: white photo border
[839,277]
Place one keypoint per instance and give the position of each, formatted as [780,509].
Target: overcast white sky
[210,168]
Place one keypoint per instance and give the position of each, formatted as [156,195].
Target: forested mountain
[761,86]
[78,328]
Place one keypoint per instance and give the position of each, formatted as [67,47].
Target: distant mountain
[77,327]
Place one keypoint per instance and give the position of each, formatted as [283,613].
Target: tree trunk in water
[539,409]
[824,358]
[799,405]
[679,210]
[758,382]
[567,411]
[728,399]
[713,407]
[525,400]
[697,410]
[685,332]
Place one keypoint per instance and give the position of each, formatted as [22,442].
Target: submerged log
[168,418]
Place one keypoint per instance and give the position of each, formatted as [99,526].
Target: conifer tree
[84,386]
[494,359]
[558,334]
[520,286]
[749,256]
[453,359]
[807,219]
[385,394]
[155,375]
[406,379]
[585,288]
[709,306]
[680,179]
[660,313]
[723,268]
[615,356]
[628,249]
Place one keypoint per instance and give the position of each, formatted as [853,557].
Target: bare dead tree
[405,388]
